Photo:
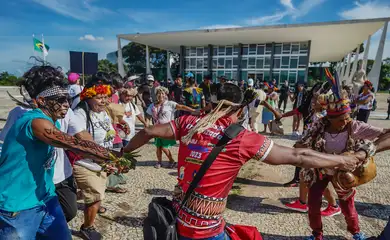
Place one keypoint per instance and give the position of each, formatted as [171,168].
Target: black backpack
[160,224]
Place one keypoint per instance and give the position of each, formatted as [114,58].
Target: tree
[7,79]
[106,66]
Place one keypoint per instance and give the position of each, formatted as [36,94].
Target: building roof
[330,41]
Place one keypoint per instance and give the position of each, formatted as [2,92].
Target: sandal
[102,210]
[116,190]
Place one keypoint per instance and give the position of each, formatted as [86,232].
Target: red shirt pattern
[201,217]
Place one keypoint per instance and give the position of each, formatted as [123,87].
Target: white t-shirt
[73,90]
[101,126]
[130,120]
[62,167]
[163,113]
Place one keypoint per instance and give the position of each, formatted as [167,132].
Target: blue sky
[91,25]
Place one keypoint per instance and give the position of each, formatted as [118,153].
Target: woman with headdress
[163,111]
[198,135]
[28,202]
[365,102]
[337,133]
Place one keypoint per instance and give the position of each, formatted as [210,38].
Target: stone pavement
[255,198]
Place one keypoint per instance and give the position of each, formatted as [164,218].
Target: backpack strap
[230,133]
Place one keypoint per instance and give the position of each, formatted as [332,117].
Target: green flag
[38,46]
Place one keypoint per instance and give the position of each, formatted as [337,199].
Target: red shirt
[201,217]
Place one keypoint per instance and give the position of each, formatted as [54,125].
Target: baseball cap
[189,75]
[73,77]
[150,78]
[250,82]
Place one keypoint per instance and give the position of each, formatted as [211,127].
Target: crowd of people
[63,142]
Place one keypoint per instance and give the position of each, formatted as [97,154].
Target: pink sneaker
[297,206]
[331,211]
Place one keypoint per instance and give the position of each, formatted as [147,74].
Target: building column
[308,61]
[147,59]
[239,62]
[121,69]
[182,60]
[366,51]
[354,66]
[210,59]
[347,68]
[375,72]
[169,75]
[271,64]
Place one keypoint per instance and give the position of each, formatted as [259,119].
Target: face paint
[57,106]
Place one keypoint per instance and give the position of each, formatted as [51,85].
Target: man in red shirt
[201,217]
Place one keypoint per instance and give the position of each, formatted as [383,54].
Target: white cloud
[80,10]
[289,10]
[90,37]
[371,9]
[220,26]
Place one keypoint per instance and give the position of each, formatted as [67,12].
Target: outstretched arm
[184,108]
[307,158]
[142,137]
[383,142]
[45,131]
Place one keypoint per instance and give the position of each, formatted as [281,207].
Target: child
[162,112]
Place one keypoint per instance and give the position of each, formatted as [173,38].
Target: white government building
[281,52]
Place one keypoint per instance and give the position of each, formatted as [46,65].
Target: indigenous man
[197,136]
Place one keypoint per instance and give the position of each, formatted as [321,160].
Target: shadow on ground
[373,210]
[252,205]
[279,237]
[257,183]
[159,192]
[130,221]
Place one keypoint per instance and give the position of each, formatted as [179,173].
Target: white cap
[250,82]
[150,78]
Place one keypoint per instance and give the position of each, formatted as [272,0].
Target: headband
[54,91]
[95,90]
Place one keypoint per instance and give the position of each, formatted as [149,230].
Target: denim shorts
[43,222]
[221,236]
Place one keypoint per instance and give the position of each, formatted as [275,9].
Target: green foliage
[106,66]
[7,79]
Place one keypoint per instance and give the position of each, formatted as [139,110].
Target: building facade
[262,62]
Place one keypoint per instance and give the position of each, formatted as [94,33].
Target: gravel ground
[255,200]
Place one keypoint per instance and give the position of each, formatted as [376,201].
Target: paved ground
[255,200]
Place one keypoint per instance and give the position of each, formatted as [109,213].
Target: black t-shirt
[206,91]
[146,96]
[284,91]
[176,93]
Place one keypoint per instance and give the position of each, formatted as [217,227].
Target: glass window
[295,49]
[236,50]
[275,75]
[285,61]
[220,73]
[259,63]
[205,63]
[206,51]
[192,62]
[221,50]
[294,63]
[234,75]
[267,62]
[187,52]
[199,52]
[228,63]
[215,51]
[277,63]
[302,61]
[193,51]
[245,51]
[266,76]
[286,47]
[228,75]
[215,63]
[244,75]
[199,77]
[199,63]
[252,62]
[268,48]
[283,76]
[214,76]
[235,62]
[301,76]
[278,49]
[292,77]
[260,50]
[187,63]
[229,51]
[252,49]
[221,62]
[304,47]
[244,63]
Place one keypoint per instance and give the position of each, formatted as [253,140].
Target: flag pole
[33,36]
[43,52]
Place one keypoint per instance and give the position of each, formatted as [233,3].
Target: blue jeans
[386,232]
[221,236]
[43,222]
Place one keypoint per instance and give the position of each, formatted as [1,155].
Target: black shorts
[67,196]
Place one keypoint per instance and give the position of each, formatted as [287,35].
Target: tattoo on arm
[83,147]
